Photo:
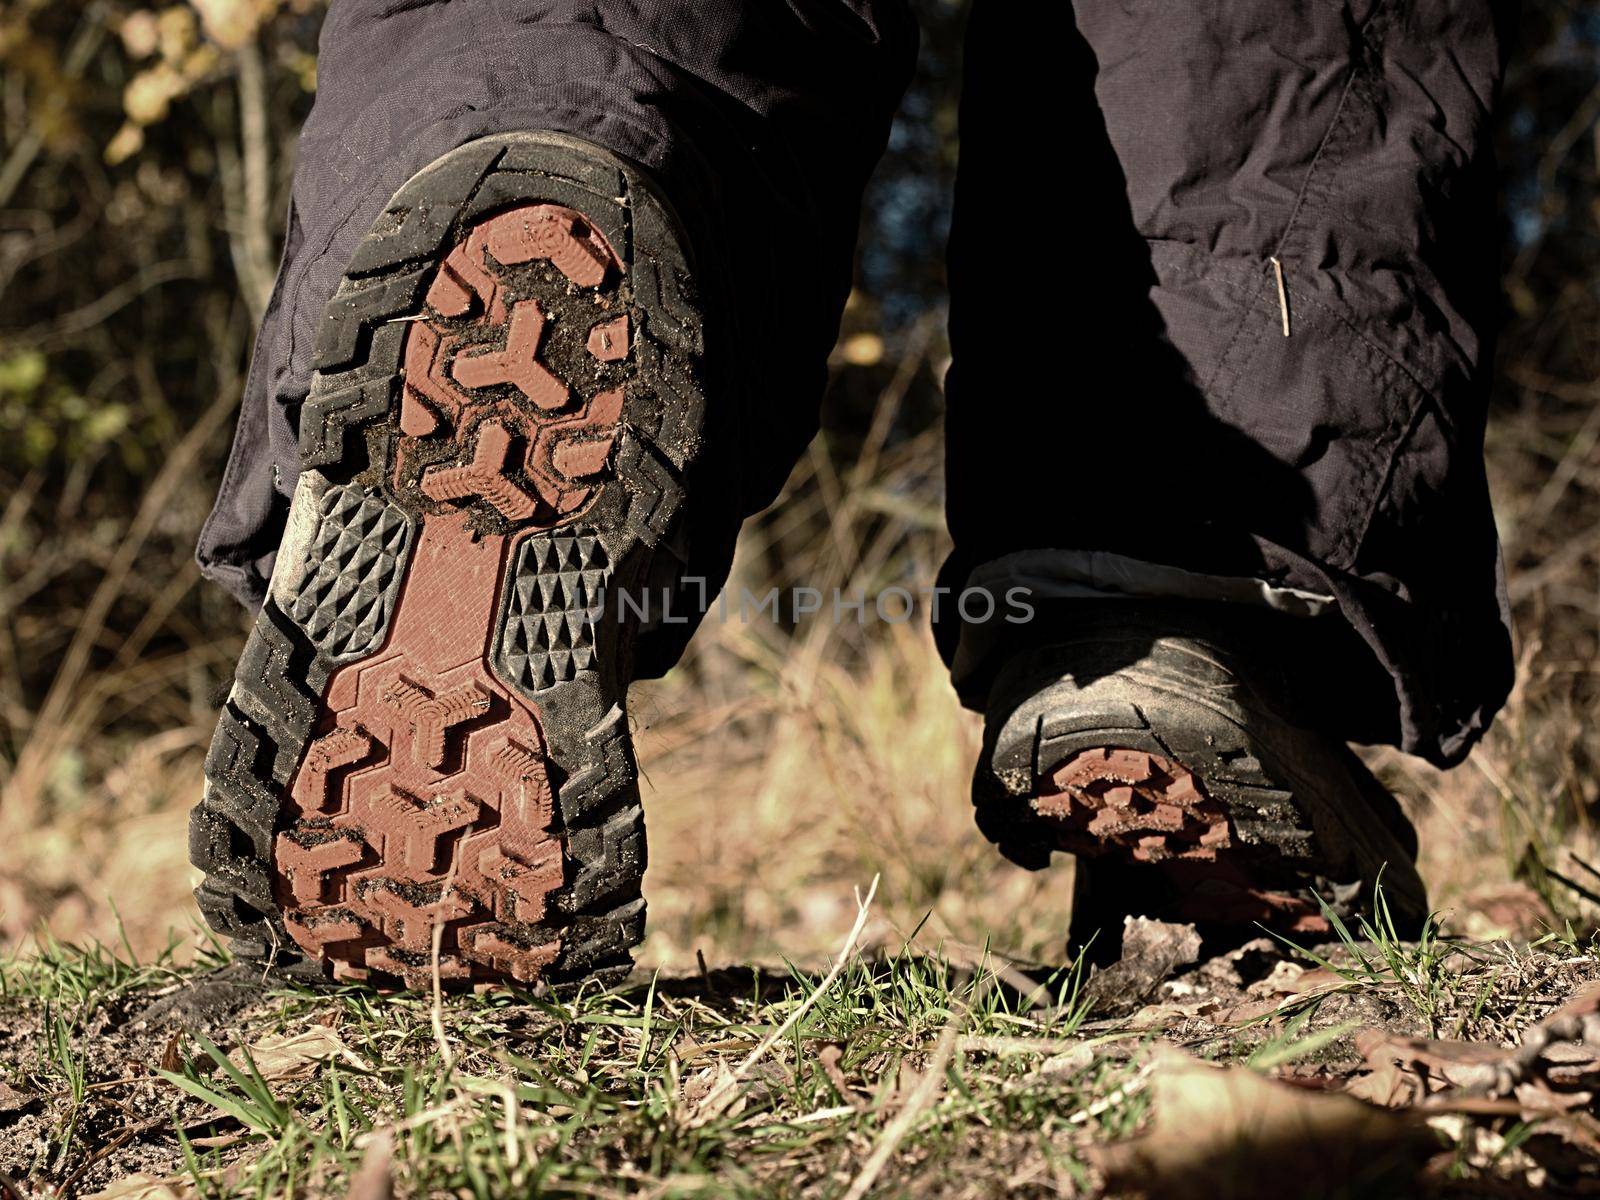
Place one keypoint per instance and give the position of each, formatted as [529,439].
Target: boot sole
[424,765]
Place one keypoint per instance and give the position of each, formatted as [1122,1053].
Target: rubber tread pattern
[290,756]
[558,588]
[352,572]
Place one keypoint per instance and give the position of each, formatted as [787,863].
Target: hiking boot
[1153,745]
[423,767]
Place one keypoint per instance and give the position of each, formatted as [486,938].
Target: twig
[436,1012]
[1020,1045]
[375,1180]
[255,219]
[1572,884]
[48,730]
[722,1094]
[825,1114]
[57,332]
[84,43]
[110,1148]
[891,399]
[1578,452]
[1556,150]
[1112,1099]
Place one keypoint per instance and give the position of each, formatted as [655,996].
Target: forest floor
[1367,1067]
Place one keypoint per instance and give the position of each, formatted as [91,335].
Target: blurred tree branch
[74,63]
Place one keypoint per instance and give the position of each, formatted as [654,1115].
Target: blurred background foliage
[145,159]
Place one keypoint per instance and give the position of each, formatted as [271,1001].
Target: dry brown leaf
[145,1187]
[1160,1016]
[1263,1010]
[1472,1065]
[1152,951]
[1536,1097]
[1290,994]
[1571,1064]
[1553,1070]
[829,1057]
[171,1059]
[1231,1133]
[1253,1010]
[1578,1129]
[1064,1065]
[1315,982]
[298,1055]
[710,1081]
[15,1100]
[1387,1084]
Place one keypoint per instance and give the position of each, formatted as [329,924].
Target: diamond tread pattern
[353,570]
[547,636]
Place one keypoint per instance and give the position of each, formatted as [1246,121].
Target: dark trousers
[1136,406]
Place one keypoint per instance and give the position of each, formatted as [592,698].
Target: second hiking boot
[1152,744]
[424,761]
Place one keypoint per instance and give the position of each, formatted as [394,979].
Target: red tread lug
[333,752]
[608,341]
[485,477]
[517,364]
[451,295]
[1148,805]
[523,963]
[551,232]
[308,866]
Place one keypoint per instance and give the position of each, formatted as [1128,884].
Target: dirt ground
[1366,1067]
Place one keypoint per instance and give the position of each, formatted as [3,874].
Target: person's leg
[1137,412]
[761,122]
[560,285]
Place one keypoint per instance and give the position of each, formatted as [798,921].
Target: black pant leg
[1134,178]
[760,121]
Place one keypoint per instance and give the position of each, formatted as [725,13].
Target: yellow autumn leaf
[141,33]
[145,1187]
[175,32]
[129,140]
[150,93]
[862,349]
[229,23]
